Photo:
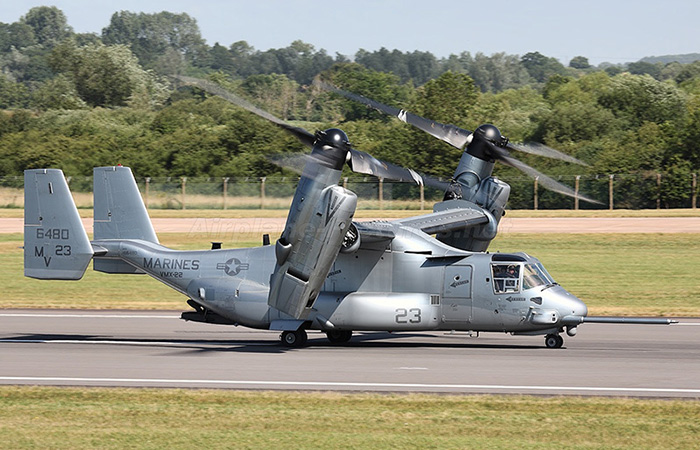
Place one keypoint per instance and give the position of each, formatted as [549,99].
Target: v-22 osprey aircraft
[326,272]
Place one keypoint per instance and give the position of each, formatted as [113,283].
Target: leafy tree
[150,36]
[579,62]
[494,73]
[221,58]
[688,72]
[12,94]
[299,61]
[415,66]
[48,23]
[380,86]
[18,35]
[645,68]
[447,99]
[104,75]
[57,93]
[640,98]
[274,93]
[541,67]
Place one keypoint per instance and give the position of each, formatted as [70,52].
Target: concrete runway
[156,349]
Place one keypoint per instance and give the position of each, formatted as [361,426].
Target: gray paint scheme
[398,278]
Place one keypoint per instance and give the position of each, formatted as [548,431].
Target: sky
[613,31]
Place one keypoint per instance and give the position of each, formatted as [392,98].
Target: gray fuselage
[412,282]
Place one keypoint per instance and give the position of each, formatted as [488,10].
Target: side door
[457,294]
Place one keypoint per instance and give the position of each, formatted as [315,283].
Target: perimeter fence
[627,191]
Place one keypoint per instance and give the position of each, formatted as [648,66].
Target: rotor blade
[304,136]
[542,179]
[545,181]
[294,161]
[542,150]
[453,135]
[362,162]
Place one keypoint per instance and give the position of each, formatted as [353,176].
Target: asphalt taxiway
[157,349]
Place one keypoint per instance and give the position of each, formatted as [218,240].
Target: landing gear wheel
[553,341]
[294,338]
[339,336]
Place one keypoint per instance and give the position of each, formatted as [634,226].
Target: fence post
[184,183]
[262,192]
[225,192]
[658,191]
[576,189]
[536,200]
[422,197]
[610,192]
[345,182]
[694,192]
[381,194]
[148,186]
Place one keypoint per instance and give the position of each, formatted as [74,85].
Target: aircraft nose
[572,305]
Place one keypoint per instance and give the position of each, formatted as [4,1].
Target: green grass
[615,274]
[72,418]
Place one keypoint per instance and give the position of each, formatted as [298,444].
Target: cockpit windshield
[536,275]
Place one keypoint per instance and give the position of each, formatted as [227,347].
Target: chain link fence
[628,191]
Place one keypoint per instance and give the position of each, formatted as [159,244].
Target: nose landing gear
[553,341]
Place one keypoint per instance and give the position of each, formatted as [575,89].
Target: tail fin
[119,209]
[119,213]
[56,246]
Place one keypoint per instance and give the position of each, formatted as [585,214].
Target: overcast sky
[615,31]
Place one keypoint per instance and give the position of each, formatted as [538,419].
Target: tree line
[77,101]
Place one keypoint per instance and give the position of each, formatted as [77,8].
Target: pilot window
[536,275]
[506,278]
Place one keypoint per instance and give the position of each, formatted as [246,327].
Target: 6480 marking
[53,233]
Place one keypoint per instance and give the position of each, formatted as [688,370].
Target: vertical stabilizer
[119,209]
[56,246]
[119,213]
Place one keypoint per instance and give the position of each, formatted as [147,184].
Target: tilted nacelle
[475,187]
[304,263]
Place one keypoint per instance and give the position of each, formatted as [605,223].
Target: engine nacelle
[304,263]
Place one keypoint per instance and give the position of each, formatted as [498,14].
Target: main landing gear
[553,341]
[339,336]
[296,338]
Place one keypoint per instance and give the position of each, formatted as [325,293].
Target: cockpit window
[535,275]
[506,278]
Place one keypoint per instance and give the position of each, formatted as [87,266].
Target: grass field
[71,418]
[625,274]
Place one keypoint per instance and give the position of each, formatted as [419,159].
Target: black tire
[553,341]
[560,341]
[339,336]
[294,339]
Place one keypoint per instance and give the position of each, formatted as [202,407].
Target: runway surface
[157,349]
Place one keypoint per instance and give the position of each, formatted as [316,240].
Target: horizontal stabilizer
[56,246]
